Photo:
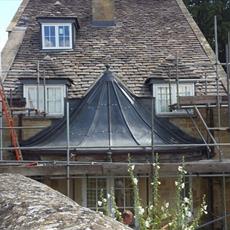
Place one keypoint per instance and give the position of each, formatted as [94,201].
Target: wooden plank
[205,166]
[200,100]
[51,170]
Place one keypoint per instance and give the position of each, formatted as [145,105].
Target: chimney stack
[103,13]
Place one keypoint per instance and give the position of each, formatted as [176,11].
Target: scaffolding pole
[210,134]
[177,82]
[228,75]
[224,204]
[1,134]
[67,150]
[152,125]
[38,84]
[198,130]
[217,74]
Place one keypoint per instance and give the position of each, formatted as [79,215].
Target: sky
[7,10]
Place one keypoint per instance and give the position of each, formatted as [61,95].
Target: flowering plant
[158,215]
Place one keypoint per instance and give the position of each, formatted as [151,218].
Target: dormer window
[58,33]
[166,95]
[57,36]
[47,99]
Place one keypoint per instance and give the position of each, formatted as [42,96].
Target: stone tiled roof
[146,33]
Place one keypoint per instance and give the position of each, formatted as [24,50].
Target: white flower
[204,209]
[135,181]
[176,183]
[141,210]
[159,182]
[104,200]
[180,169]
[151,207]
[158,167]
[108,195]
[99,203]
[132,167]
[186,200]
[182,185]
[167,204]
[188,214]
[147,225]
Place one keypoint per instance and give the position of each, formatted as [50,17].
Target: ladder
[10,122]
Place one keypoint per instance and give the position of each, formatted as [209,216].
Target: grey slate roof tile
[146,33]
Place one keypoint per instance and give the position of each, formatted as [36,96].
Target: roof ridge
[17,15]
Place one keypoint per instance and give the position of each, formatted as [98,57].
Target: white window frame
[41,96]
[110,183]
[96,190]
[124,190]
[56,25]
[173,96]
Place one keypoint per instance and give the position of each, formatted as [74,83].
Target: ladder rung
[10,123]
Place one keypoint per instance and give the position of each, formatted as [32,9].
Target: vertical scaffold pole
[228,75]
[152,124]
[217,74]
[1,114]
[177,83]
[1,134]
[67,151]
[224,203]
[38,83]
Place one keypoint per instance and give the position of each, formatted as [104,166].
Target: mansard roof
[145,34]
[111,118]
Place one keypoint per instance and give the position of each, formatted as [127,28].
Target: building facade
[99,80]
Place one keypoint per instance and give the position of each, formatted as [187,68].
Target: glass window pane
[61,42]
[91,183]
[64,36]
[46,29]
[119,183]
[52,31]
[67,42]
[128,183]
[185,90]
[61,30]
[95,186]
[67,32]
[163,98]
[124,192]
[101,183]
[49,36]
[32,98]
[50,42]
[129,200]
[54,100]
[91,198]
[119,197]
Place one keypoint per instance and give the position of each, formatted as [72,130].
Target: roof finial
[107,66]
[57,3]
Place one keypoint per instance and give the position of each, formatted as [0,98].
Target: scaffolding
[207,168]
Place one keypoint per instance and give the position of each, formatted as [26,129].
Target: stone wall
[28,204]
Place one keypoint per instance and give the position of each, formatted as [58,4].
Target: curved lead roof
[111,117]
